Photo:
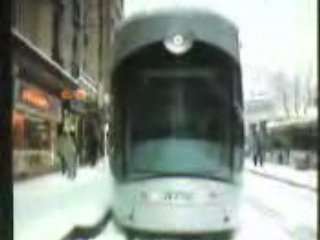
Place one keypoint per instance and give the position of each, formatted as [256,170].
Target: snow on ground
[293,209]
[307,178]
[50,206]
[270,209]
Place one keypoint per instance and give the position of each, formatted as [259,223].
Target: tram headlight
[178,44]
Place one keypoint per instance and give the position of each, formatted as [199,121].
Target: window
[180,125]
[180,108]
[37,133]
[18,130]
[31,132]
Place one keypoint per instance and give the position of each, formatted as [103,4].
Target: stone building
[60,47]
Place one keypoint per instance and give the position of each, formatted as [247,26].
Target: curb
[295,184]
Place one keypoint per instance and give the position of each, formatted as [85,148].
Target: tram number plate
[175,197]
[179,197]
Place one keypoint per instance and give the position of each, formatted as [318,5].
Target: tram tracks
[297,232]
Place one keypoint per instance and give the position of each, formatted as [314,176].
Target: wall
[75,33]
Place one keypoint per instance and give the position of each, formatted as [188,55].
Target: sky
[275,35]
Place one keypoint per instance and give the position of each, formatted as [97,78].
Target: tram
[176,130]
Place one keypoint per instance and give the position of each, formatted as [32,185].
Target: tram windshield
[180,120]
[180,125]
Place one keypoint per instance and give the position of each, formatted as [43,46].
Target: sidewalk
[298,178]
[48,207]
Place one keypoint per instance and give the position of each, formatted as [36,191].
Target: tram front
[177,128]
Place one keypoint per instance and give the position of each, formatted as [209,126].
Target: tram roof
[204,26]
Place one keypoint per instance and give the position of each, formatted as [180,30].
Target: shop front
[35,118]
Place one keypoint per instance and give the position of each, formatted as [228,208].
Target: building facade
[59,46]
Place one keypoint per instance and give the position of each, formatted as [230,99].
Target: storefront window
[37,133]
[187,132]
[18,130]
[31,132]
[35,118]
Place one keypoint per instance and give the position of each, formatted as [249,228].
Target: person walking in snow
[67,152]
[256,146]
[263,142]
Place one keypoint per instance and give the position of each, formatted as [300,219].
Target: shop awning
[298,122]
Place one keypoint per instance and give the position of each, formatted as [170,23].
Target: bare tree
[280,84]
[296,94]
[309,97]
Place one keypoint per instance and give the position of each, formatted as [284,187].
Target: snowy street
[49,207]
[275,210]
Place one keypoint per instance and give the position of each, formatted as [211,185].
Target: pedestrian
[262,142]
[92,142]
[59,151]
[67,152]
[260,153]
[255,148]
[75,154]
